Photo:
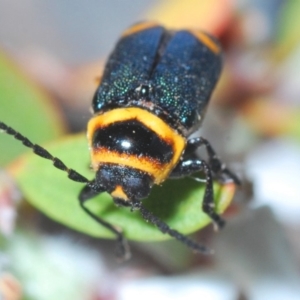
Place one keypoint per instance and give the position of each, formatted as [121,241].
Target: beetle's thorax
[134,138]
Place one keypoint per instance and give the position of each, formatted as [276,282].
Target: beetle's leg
[90,191]
[164,228]
[190,166]
[214,162]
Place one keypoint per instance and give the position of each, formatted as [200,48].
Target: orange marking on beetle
[119,193]
[139,27]
[207,41]
[157,170]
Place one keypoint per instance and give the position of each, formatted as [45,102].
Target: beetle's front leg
[190,166]
[90,190]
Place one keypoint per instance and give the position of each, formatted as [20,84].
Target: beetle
[152,96]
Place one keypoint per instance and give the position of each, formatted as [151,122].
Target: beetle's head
[123,182]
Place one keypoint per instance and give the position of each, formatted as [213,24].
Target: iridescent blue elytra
[171,73]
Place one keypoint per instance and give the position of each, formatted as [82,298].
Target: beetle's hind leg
[189,166]
[89,191]
[218,168]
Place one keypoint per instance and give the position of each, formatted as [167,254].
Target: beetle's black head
[123,182]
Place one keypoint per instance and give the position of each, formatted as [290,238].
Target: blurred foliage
[212,16]
[288,33]
[25,107]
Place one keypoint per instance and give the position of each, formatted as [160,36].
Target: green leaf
[177,202]
[25,107]
[288,36]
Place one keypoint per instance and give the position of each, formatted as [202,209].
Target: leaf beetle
[152,96]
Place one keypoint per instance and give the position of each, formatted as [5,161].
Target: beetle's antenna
[164,228]
[40,151]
